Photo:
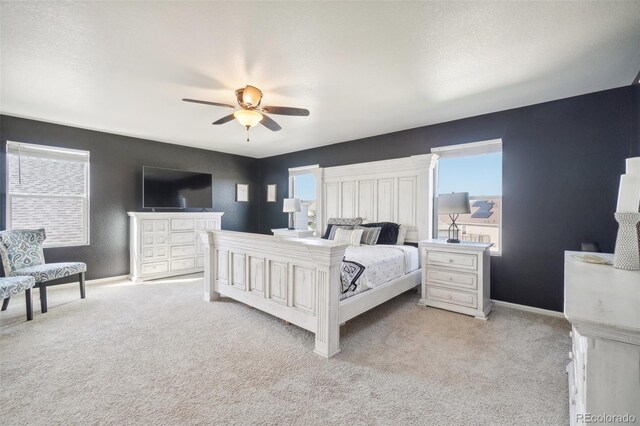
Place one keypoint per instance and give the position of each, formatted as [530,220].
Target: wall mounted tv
[176,189]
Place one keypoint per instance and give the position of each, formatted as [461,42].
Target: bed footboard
[297,280]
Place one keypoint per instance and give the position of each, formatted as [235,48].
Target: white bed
[299,280]
[367,267]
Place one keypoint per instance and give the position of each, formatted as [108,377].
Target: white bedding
[367,267]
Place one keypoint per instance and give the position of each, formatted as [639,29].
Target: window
[48,188]
[303,185]
[475,168]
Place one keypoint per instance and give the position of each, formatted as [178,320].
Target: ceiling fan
[250,112]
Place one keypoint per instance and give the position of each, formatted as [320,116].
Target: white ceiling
[362,69]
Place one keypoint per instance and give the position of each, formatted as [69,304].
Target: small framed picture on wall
[242,192]
[272,193]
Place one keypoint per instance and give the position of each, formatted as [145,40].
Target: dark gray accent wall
[561,165]
[116,186]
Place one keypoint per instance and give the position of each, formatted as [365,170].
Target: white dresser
[603,305]
[456,277]
[166,244]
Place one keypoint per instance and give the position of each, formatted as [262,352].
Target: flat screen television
[176,189]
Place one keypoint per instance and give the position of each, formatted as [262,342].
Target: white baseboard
[529,309]
[107,279]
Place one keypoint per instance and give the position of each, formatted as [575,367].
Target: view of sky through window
[305,187]
[475,174]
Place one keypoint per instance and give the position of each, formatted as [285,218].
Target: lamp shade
[251,96]
[454,203]
[291,205]
[248,117]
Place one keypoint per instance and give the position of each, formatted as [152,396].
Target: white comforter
[367,267]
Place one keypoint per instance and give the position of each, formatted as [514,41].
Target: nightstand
[456,277]
[293,233]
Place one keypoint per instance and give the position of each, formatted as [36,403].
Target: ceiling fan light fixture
[248,118]
[251,96]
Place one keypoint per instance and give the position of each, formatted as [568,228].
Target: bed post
[328,260]
[210,282]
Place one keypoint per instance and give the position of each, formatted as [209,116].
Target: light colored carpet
[156,353]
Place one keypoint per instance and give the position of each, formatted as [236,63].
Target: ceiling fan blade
[225,119]
[269,123]
[208,103]
[286,110]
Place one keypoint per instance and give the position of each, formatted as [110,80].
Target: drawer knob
[450,260]
[450,278]
[450,297]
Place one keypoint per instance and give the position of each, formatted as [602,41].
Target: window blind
[48,188]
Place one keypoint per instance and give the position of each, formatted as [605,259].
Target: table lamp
[453,204]
[291,206]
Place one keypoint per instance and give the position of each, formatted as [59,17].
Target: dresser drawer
[182,224]
[183,238]
[153,239]
[154,268]
[207,224]
[183,251]
[451,296]
[182,264]
[460,280]
[452,260]
[153,253]
[154,225]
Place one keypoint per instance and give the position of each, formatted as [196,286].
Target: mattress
[367,267]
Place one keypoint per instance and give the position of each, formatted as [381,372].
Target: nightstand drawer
[452,279]
[452,260]
[452,296]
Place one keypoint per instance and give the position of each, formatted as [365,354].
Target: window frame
[49,153]
[491,146]
[314,170]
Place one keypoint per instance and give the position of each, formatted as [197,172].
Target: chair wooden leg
[27,296]
[43,297]
[82,291]
[5,303]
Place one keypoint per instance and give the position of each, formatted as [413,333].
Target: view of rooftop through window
[304,188]
[481,177]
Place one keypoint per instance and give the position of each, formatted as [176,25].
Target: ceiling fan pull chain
[248,127]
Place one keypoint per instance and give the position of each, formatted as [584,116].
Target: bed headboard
[399,190]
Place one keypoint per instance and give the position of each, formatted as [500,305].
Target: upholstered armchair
[22,255]
[10,286]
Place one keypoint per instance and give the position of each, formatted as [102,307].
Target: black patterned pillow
[388,233]
[370,235]
[340,221]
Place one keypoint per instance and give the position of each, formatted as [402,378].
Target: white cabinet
[603,305]
[456,277]
[166,244]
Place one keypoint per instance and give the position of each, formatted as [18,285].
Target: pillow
[388,233]
[402,235]
[349,236]
[334,228]
[340,221]
[369,235]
